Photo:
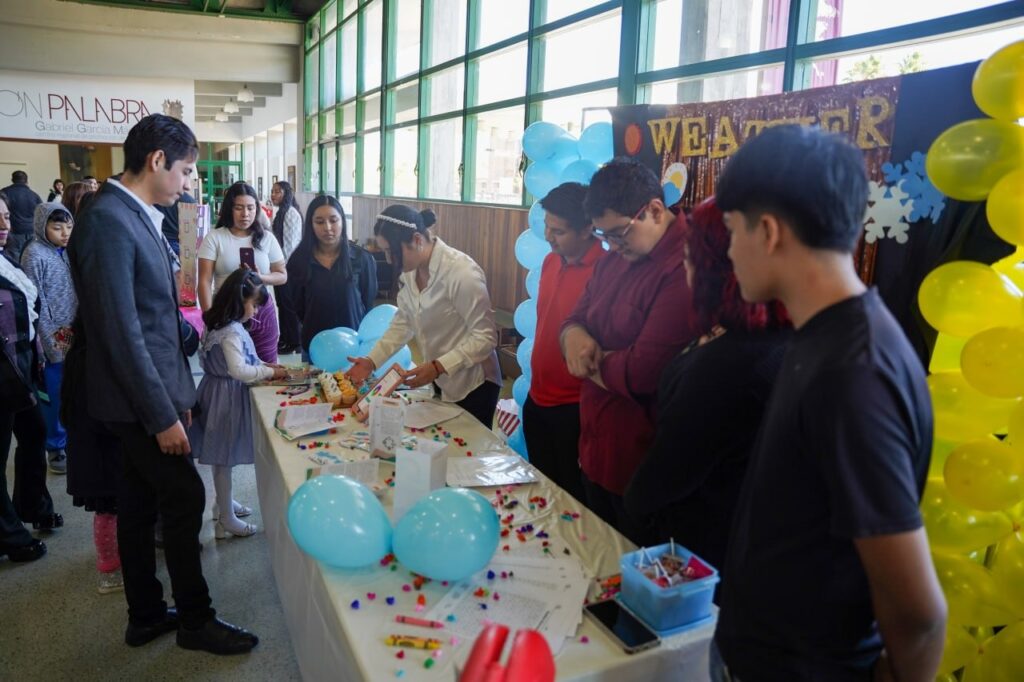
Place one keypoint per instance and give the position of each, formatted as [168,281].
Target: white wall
[277,111]
[41,160]
[215,131]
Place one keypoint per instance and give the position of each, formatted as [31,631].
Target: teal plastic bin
[666,608]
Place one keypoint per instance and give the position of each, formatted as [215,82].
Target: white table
[332,641]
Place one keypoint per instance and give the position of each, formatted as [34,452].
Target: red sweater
[561,285]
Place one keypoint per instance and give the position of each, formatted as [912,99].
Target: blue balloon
[533,282]
[539,140]
[329,350]
[448,535]
[579,171]
[376,322]
[596,143]
[566,149]
[517,441]
[536,219]
[403,357]
[523,355]
[525,317]
[338,521]
[521,389]
[543,176]
[672,194]
[349,330]
[365,346]
[530,251]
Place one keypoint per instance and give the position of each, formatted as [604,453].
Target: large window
[429,98]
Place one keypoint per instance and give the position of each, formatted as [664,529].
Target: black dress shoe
[137,635]
[30,552]
[49,522]
[217,637]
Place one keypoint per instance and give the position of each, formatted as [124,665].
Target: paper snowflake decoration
[887,213]
[910,176]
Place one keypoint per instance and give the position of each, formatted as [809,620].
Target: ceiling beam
[221,100]
[231,88]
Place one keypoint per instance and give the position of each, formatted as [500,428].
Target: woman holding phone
[241,239]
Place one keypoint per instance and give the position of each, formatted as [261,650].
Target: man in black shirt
[828,574]
[22,202]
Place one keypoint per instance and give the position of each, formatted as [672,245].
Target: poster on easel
[192,221]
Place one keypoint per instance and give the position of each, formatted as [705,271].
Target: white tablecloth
[333,641]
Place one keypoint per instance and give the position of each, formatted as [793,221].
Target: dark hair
[566,202]
[229,301]
[61,215]
[74,197]
[92,177]
[227,219]
[299,262]
[19,177]
[812,180]
[157,132]
[623,185]
[398,233]
[287,203]
[716,293]
[3,198]
[56,181]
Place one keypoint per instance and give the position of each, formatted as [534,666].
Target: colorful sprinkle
[390,601]
[407,588]
[371,595]
[490,575]
[429,663]
[584,639]
[421,600]
[450,618]
[355,604]
[454,641]
[400,654]
[399,673]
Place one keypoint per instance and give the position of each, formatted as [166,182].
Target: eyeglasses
[618,236]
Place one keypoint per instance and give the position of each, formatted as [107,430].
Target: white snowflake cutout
[887,211]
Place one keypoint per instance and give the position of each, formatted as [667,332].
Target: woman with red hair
[710,401]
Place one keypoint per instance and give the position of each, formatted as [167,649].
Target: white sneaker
[111,582]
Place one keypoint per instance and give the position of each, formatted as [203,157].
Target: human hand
[360,370]
[279,372]
[422,375]
[582,353]
[174,440]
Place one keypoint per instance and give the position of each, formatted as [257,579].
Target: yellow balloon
[962,413]
[1008,572]
[1015,438]
[962,298]
[986,475]
[960,649]
[970,592]
[946,354]
[998,86]
[966,161]
[1001,659]
[1005,207]
[952,527]
[940,451]
[992,361]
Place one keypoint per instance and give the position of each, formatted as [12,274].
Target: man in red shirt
[551,414]
[633,318]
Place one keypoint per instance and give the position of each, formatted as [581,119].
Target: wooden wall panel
[486,233]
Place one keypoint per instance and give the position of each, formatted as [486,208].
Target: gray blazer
[136,369]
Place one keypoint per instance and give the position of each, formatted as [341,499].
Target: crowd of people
[718,376]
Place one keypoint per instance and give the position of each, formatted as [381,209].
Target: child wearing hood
[45,261]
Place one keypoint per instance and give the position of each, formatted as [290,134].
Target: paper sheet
[426,413]
[302,420]
[489,469]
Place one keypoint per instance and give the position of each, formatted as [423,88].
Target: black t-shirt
[710,402]
[842,454]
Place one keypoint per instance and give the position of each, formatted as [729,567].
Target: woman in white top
[288,231]
[443,303]
[221,253]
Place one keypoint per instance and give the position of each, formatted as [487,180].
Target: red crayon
[422,622]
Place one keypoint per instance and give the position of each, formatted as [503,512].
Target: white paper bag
[387,416]
[417,472]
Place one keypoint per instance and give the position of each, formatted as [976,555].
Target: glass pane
[312,129]
[373,23]
[404,103]
[556,9]
[501,75]
[371,163]
[346,206]
[838,18]
[329,82]
[349,52]
[330,167]
[347,7]
[330,17]
[311,178]
[311,80]
[404,152]
[500,19]
[582,53]
[347,167]
[447,30]
[371,111]
[691,31]
[444,90]
[767,81]
[406,39]
[907,58]
[568,111]
[442,159]
[328,124]
[348,119]
[498,149]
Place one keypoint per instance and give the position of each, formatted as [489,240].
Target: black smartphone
[247,256]
[620,624]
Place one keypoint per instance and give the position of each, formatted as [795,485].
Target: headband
[396,221]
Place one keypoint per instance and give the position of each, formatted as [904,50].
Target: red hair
[716,293]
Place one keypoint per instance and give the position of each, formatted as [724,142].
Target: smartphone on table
[387,384]
[621,625]
[247,256]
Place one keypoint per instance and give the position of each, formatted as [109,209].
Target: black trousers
[481,402]
[154,481]
[553,439]
[287,319]
[31,500]
[612,510]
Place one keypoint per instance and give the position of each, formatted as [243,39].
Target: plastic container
[665,608]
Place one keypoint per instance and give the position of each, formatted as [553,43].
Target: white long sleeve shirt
[232,343]
[451,320]
[292,232]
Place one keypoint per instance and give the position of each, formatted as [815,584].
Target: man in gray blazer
[138,383]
